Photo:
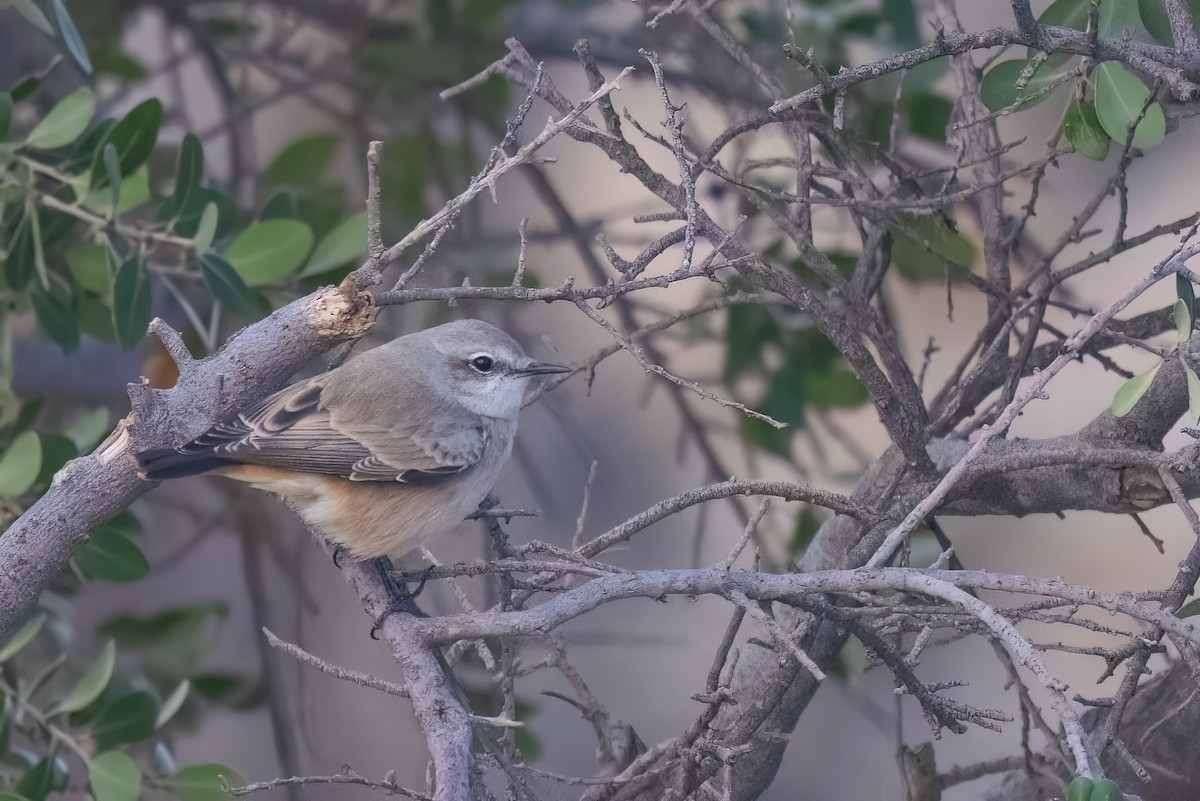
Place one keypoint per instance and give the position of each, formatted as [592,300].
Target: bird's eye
[482,363]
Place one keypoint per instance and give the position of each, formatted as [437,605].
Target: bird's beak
[542,368]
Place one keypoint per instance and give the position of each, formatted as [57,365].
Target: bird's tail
[163,463]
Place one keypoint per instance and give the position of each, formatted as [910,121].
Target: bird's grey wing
[307,428]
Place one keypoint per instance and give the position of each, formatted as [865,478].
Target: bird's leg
[401,598]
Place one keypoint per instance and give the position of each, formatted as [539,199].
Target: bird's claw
[400,597]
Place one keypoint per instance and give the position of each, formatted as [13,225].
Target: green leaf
[111,556]
[225,284]
[1193,389]
[23,637]
[1118,18]
[32,14]
[1132,391]
[65,122]
[347,241]
[748,329]
[131,303]
[998,89]
[189,169]
[1120,98]
[1066,14]
[269,251]
[834,388]
[1106,790]
[1183,321]
[916,237]
[133,137]
[57,317]
[206,229]
[204,782]
[71,37]
[112,169]
[92,682]
[1190,609]
[1083,130]
[301,164]
[20,465]
[1185,291]
[280,205]
[188,217]
[88,429]
[115,777]
[6,106]
[57,450]
[134,191]
[1080,789]
[38,781]
[174,643]
[1154,17]
[126,720]
[172,704]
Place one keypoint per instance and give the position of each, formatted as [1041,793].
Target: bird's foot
[400,597]
[338,553]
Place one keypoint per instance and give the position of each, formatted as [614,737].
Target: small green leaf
[37,782]
[1190,609]
[126,720]
[1120,98]
[6,106]
[1083,130]
[57,316]
[57,450]
[1106,790]
[112,168]
[131,303]
[1185,292]
[189,170]
[225,284]
[1183,321]
[23,637]
[269,251]
[92,682]
[114,777]
[1080,789]
[71,37]
[280,205]
[111,556]
[32,14]
[1193,386]
[1154,17]
[20,465]
[835,387]
[301,164]
[65,122]
[1066,14]
[347,241]
[134,191]
[172,704]
[1132,391]
[998,89]
[204,782]
[88,429]
[188,217]
[1118,18]
[206,229]
[133,137]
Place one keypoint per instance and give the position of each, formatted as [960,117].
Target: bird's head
[488,371]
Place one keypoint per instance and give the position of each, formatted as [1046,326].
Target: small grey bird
[394,447]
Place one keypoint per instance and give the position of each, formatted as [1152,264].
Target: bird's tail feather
[164,463]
